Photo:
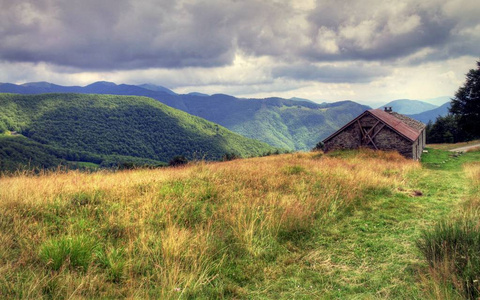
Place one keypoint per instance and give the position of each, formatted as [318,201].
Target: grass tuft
[453,250]
[72,252]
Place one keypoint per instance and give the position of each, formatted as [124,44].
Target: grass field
[303,225]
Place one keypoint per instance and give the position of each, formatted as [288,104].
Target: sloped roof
[417,125]
[403,125]
[397,123]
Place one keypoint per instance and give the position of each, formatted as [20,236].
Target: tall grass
[452,248]
[204,230]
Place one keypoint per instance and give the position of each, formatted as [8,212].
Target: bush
[230,156]
[319,146]
[453,250]
[178,160]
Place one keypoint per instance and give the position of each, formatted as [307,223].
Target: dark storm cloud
[381,30]
[115,34]
[356,73]
[128,35]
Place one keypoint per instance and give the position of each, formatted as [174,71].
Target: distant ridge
[406,106]
[432,115]
[157,88]
[439,101]
[198,94]
[301,99]
[40,84]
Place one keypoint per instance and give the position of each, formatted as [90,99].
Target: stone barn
[381,130]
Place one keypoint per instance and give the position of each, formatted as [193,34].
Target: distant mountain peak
[198,94]
[439,100]
[301,99]
[409,107]
[156,88]
[38,84]
[103,83]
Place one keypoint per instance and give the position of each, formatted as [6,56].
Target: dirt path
[463,149]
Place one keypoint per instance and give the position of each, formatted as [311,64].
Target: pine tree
[466,105]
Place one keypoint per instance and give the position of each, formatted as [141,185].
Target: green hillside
[290,124]
[99,128]
[18,153]
[298,127]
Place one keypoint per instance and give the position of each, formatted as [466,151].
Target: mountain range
[50,129]
[289,124]
[408,107]
[431,115]
[294,124]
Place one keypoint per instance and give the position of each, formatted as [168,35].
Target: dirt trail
[463,149]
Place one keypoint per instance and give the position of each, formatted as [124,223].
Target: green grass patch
[72,252]
[293,170]
[438,159]
[87,165]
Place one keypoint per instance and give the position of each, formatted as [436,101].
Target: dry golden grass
[167,233]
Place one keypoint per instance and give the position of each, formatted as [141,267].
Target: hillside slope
[119,125]
[431,115]
[291,124]
[283,123]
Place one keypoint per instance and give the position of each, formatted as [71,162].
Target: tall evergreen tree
[444,130]
[466,105]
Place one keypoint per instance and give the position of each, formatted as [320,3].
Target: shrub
[319,146]
[178,160]
[230,156]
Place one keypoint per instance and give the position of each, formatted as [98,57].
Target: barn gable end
[381,130]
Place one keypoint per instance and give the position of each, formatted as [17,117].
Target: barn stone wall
[389,140]
[349,138]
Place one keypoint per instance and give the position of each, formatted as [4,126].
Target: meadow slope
[303,225]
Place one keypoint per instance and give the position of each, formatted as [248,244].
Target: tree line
[462,123]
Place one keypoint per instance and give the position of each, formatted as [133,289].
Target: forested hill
[291,124]
[94,128]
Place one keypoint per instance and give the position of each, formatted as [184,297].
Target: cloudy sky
[364,50]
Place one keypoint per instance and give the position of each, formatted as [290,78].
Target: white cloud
[326,41]
[399,26]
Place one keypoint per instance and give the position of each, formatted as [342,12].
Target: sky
[370,51]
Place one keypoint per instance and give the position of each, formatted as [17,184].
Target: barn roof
[403,125]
